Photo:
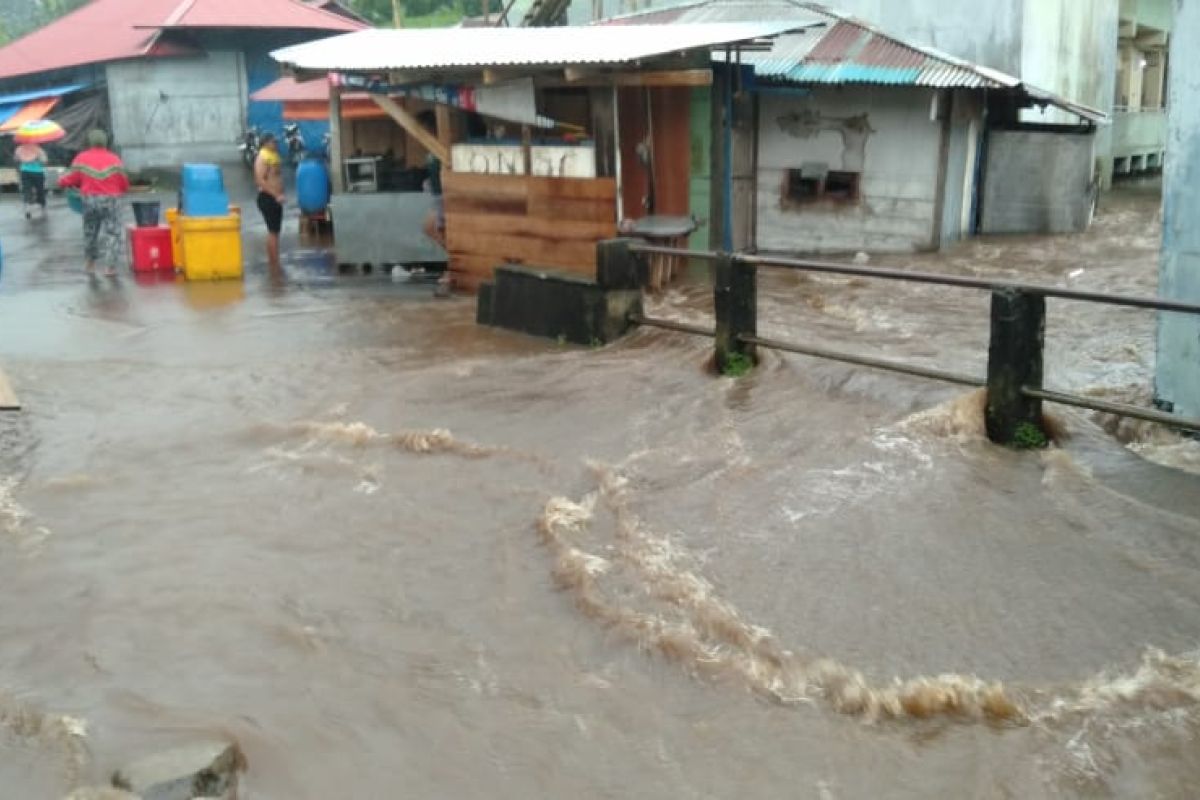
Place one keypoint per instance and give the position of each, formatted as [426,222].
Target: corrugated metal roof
[843,50]
[471,48]
[727,11]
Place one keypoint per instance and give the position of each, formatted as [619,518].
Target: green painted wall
[701,170]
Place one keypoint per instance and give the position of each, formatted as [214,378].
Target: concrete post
[1177,383]
[1014,361]
[735,301]
[617,267]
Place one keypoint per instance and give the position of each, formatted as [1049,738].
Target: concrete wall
[1037,182]
[168,111]
[1138,132]
[894,143]
[1069,47]
[1178,377]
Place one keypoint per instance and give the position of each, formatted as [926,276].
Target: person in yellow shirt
[268,177]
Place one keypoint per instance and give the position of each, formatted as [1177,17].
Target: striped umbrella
[39,131]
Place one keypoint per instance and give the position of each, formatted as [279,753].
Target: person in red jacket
[99,175]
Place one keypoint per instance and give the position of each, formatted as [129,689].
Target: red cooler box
[150,249]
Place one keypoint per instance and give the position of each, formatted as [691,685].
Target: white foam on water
[67,735]
[1181,454]
[687,622]
[16,522]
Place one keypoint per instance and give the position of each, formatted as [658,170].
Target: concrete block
[562,306]
[484,312]
[204,769]
[616,267]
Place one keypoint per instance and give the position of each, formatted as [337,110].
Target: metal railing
[1015,353]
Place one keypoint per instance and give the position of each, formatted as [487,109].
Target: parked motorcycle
[250,144]
[295,143]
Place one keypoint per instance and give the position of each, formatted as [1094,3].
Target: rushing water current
[395,554]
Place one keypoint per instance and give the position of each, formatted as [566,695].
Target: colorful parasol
[39,131]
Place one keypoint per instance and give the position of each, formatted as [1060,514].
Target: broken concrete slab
[204,769]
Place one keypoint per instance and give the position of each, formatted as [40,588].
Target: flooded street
[395,554]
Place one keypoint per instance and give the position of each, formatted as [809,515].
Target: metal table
[666,231]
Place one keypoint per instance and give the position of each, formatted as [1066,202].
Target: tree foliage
[379,12]
[19,17]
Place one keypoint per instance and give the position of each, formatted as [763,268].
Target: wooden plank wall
[520,219]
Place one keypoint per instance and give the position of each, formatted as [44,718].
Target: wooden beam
[407,121]
[445,131]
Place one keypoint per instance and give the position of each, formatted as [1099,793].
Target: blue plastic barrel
[312,186]
[202,193]
[202,178]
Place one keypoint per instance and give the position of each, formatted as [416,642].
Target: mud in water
[396,554]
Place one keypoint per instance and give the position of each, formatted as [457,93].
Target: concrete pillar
[735,306]
[1177,384]
[1014,361]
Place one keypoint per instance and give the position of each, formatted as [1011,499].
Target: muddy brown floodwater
[398,555]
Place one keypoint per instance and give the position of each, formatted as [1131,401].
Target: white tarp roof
[465,48]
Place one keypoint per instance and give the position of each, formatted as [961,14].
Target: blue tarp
[8,110]
[22,98]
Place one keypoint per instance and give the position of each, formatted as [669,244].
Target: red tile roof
[117,30]
[290,14]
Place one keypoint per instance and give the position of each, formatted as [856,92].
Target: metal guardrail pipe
[868,361]
[1120,409]
[915,276]
[671,325]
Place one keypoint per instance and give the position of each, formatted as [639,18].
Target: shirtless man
[268,177]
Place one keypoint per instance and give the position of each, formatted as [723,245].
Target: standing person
[99,175]
[31,163]
[268,177]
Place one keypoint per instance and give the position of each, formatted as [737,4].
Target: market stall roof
[479,48]
[38,94]
[33,104]
[33,110]
[289,90]
[309,100]
[841,50]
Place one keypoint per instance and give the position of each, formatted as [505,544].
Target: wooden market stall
[549,140]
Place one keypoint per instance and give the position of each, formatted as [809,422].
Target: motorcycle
[295,143]
[250,144]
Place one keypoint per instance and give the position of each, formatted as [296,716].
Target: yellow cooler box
[212,247]
[176,236]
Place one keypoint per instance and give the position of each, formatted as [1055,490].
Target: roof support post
[336,174]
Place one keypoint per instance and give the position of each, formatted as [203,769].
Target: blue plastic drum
[312,186]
